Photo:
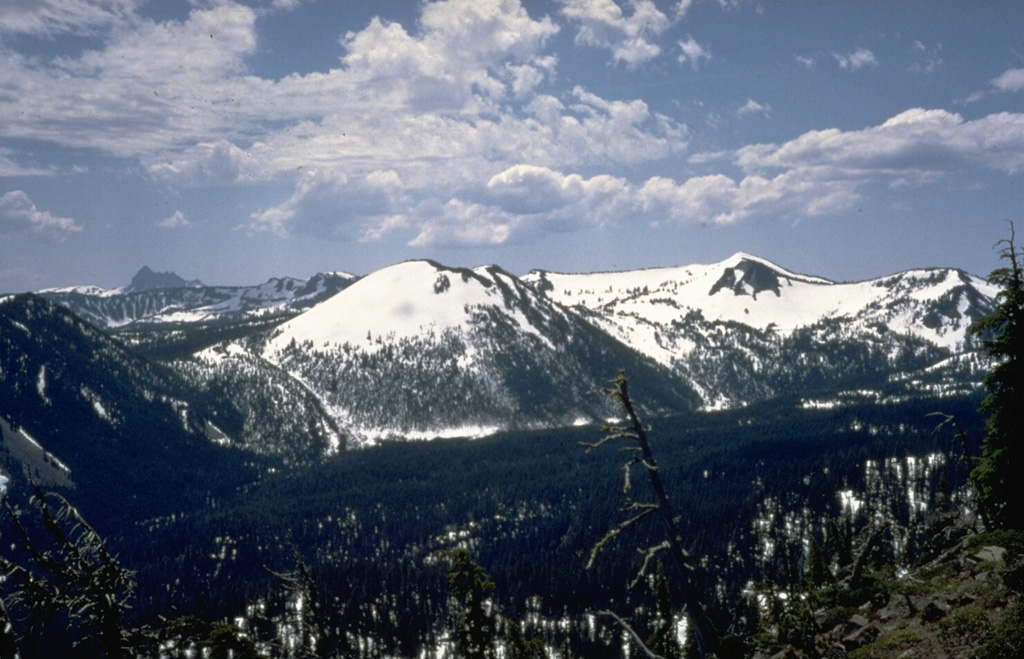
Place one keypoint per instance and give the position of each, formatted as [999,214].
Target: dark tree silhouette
[59,569]
[700,624]
[1002,335]
[475,630]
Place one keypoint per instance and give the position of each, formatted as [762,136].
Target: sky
[238,140]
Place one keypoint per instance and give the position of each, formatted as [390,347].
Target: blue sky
[234,141]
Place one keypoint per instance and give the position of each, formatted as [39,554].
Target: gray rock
[837,651]
[898,608]
[934,610]
[990,553]
[860,638]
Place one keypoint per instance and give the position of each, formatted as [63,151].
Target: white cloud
[630,37]
[914,144]
[925,59]
[819,173]
[753,107]
[206,163]
[19,216]
[49,18]
[1011,80]
[692,52]
[149,90]
[175,221]
[856,60]
[807,61]
[682,7]
[9,166]
[522,204]
[333,205]
[465,89]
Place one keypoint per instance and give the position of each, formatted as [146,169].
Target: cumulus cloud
[629,36]
[692,52]
[753,107]
[925,59]
[818,173]
[333,205]
[856,60]
[19,216]
[175,221]
[914,144]
[206,163]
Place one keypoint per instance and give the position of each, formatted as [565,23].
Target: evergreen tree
[663,640]
[475,630]
[1002,335]
[59,573]
[517,646]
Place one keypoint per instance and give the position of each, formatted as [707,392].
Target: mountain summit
[145,279]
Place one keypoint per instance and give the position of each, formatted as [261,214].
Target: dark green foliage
[998,471]
[663,641]
[189,636]
[1007,642]
[475,628]
[368,522]
[517,646]
[65,591]
[135,447]
[817,564]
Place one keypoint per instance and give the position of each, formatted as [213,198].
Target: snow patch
[41,384]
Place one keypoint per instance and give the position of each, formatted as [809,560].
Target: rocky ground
[964,600]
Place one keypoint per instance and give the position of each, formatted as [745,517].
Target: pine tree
[59,570]
[1002,336]
[663,640]
[475,631]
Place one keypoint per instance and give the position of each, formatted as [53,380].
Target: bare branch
[614,532]
[636,638]
[649,554]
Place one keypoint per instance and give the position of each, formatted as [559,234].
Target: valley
[358,426]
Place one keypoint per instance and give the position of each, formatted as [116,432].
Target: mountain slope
[746,329]
[300,369]
[936,305]
[148,301]
[418,349]
[121,428]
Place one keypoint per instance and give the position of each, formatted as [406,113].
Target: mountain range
[302,368]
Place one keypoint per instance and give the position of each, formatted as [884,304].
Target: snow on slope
[409,300]
[745,289]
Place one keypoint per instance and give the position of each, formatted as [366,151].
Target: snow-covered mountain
[936,305]
[165,298]
[752,322]
[419,349]
[422,350]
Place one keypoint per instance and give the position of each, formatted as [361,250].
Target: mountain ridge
[419,349]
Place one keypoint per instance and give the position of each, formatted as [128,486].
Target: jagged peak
[147,279]
[739,258]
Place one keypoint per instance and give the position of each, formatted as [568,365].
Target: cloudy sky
[238,140]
